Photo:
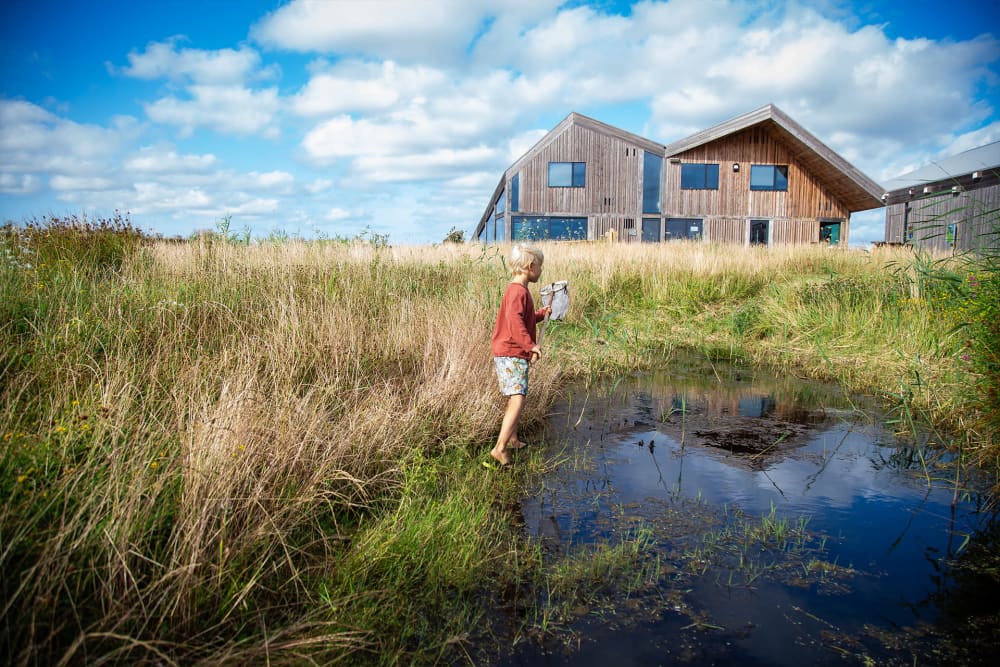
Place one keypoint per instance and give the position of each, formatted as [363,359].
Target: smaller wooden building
[952,205]
[759,178]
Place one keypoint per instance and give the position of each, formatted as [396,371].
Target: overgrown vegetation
[224,451]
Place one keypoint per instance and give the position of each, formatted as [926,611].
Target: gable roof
[975,159]
[580,120]
[846,182]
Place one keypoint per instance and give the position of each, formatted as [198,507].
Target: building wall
[794,213]
[612,197]
[613,181]
[924,220]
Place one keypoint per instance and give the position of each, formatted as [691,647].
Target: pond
[778,522]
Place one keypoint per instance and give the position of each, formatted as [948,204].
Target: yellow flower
[60,429]
[21,478]
[154,465]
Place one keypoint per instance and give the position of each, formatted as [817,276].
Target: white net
[556,295]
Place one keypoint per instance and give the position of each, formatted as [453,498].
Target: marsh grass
[222,452]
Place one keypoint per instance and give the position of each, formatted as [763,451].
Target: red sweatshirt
[514,333]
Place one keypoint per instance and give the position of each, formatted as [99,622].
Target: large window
[567,174]
[514,193]
[769,177]
[699,177]
[652,165]
[544,228]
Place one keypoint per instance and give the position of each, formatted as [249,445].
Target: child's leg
[508,429]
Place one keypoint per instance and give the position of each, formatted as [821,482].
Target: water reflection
[704,441]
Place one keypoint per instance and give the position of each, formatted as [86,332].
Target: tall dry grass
[207,421]
[223,453]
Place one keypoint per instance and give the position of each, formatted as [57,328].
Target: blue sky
[330,117]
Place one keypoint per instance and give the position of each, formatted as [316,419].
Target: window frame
[705,184]
[577,175]
[774,186]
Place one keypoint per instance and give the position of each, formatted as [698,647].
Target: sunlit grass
[237,452]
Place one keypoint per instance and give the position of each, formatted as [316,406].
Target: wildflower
[21,479]
[60,429]
[8,436]
[154,465]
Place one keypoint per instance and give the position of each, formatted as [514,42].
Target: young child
[514,343]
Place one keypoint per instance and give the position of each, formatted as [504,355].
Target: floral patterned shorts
[512,374]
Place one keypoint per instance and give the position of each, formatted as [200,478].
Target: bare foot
[500,455]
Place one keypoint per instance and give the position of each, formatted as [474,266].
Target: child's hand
[536,354]
[547,310]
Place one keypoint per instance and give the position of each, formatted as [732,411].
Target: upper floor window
[699,177]
[567,174]
[652,164]
[769,177]
[501,203]
[514,193]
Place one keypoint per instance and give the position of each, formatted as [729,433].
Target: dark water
[693,454]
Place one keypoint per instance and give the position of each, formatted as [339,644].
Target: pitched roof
[844,181]
[580,120]
[975,159]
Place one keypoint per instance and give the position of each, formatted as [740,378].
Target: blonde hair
[521,257]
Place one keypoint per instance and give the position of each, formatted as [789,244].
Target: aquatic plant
[206,443]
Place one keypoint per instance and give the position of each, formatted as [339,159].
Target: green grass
[227,452]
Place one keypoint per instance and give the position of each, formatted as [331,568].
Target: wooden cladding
[821,186]
[805,197]
[944,222]
[615,227]
[613,179]
[727,230]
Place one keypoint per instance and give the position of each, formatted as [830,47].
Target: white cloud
[34,140]
[357,86]
[163,60]
[19,184]
[438,163]
[80,183]
[318,185]
[335,214]
[216,84]
[272,179]
[150,160]
[392,29]
[225,109]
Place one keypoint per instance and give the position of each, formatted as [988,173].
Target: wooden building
[952,205]
[758,178]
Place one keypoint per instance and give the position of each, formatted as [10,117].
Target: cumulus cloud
[150,160]
[164,60]
[394,29]
[19,184]
[363,86]
[35,140]
[225,109]
[217,94]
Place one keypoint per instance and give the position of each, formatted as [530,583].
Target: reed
[226,452]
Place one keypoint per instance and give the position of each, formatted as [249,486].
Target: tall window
[652,164]
[769,177]
[699,176]
[567,174]
[514,193]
